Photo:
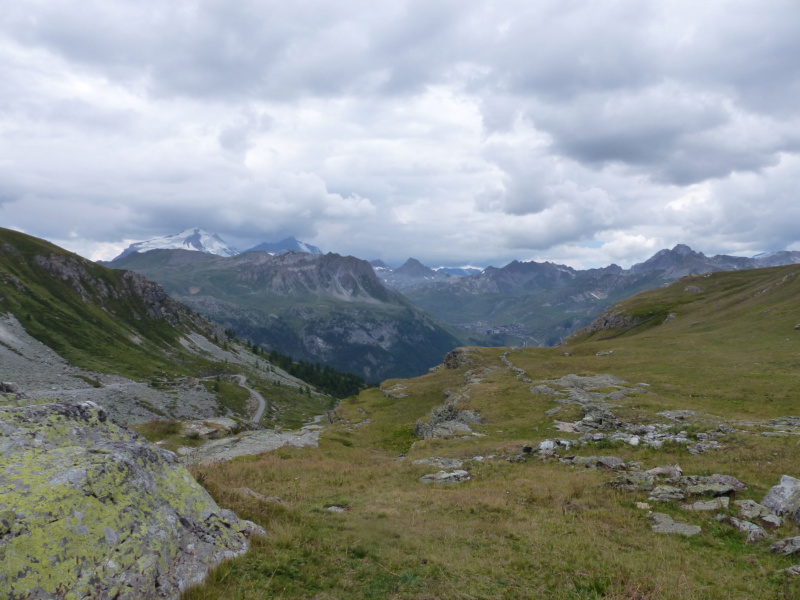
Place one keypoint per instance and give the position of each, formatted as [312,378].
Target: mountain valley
[650,456]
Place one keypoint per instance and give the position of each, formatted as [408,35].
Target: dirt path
[261,402]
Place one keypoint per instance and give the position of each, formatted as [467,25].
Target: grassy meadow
[537,529]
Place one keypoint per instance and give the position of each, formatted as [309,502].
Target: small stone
[634,441]
[666,493]
[720,503]
[665,524]
[749,509]
[666,471]
[771,521]
[336,509]
[643,505]
[753,531]
[787,546]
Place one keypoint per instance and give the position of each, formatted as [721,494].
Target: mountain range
[327,309]
[200,240]
[354,316]
[532,303]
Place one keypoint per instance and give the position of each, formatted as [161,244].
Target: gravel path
[261,403]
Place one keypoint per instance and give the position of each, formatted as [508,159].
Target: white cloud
[449,131]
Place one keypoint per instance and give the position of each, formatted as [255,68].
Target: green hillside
[536,526]
[117,322]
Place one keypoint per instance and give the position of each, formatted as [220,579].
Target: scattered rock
[665,524]
[336,509]
[248,493]
[753,531]
[666,471]
[666,493]
[456,476]
[771,521]
[710,489]
[787,546]
[784,498]
[633,482]
[441,462]
[749,509]
[693,289]
[720,503]
[643,505]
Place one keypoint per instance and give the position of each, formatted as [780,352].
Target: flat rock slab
[666,493]
[753,531]
[441,462]
[787,546]
[252,443]
[456,476]
[665,524]
[720,503]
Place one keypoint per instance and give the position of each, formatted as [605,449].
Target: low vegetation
[538,528]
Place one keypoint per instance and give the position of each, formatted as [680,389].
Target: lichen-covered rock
[90,509]
[784,498]
[787,546]
[753,531]
[665,524]
[456,476]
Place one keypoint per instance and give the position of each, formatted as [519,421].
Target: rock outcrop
[90,509]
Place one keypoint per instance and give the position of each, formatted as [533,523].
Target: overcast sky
[453,131]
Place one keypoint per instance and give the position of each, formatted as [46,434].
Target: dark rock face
[90,509]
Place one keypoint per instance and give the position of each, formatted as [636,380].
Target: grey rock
[666,493]
[787,546]
[784,498]
[720,503]
[440,462]
[666,471]
[771,521]
[665,524]
[633,482]
[456,476]
[710,489]
[749,509]
[89,506]
[753,531]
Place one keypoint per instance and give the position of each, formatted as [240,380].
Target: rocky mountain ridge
[319,308]
[540,303]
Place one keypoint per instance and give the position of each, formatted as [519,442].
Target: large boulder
[90,509]
[784,498]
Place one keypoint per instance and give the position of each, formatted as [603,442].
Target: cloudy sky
[455,131]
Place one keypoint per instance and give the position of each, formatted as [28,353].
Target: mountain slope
[75,329]
[318,308]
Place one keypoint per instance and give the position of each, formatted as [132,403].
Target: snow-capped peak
[190,239]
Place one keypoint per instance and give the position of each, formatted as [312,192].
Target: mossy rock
[88,508]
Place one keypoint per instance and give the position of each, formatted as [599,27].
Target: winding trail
[261,402]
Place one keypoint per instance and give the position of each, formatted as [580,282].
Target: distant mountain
[290,244]
[411,274]
[190,239]
[327,309]
[459,271]
[539,303]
